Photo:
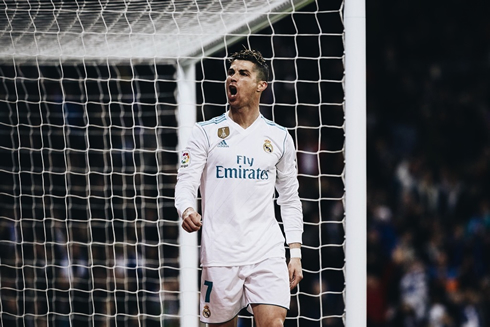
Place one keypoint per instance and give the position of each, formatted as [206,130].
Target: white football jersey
[238,170]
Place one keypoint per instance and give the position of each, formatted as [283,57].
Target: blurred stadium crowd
[428,165]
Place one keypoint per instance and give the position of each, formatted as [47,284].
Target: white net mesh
[84,30]
[88,150]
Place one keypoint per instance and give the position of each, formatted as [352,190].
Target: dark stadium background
[428,116]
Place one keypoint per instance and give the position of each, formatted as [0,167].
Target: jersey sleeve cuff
[294,237]
[183,207]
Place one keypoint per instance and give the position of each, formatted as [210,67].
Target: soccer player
[238,160]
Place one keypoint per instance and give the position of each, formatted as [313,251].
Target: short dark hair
[255,57]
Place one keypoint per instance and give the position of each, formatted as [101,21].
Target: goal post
[189,255]
[355,161]
[97,98]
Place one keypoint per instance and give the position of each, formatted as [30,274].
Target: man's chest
[250,155]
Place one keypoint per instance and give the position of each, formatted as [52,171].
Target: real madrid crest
[268,146]
[223,132]
[206,312]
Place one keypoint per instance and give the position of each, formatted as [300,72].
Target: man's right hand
[191,220]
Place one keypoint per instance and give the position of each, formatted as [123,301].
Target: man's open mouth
[233,90]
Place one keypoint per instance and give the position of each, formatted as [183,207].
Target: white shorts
[227,290]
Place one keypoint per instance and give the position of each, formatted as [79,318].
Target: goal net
[95,101]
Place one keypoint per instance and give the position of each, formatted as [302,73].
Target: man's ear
[262,86]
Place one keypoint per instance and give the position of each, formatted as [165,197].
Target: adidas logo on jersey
[222,144]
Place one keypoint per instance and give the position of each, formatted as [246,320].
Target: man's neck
[244,116]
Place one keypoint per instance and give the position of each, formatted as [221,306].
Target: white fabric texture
[238,171]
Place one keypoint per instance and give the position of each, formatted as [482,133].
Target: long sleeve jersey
[238,171]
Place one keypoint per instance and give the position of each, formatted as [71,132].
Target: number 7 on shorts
[208,290]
